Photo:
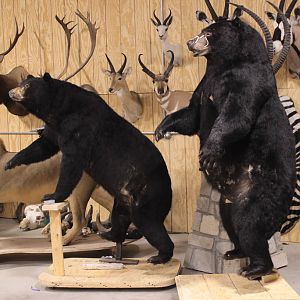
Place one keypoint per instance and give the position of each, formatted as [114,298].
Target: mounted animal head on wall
[13,78]
[18,74]
[160,81]
[278,35]
[208,42]
[117,78]
[170,101]
[162,27]
[130,101]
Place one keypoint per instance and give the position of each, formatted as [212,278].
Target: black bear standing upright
[93,138]
[247,145]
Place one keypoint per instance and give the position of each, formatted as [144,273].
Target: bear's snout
[17,94]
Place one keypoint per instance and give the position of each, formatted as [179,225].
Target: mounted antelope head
[131,102]
[162,31]
[279,34]
[18,74]
[170,101]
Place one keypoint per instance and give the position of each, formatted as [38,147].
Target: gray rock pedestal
[209,241]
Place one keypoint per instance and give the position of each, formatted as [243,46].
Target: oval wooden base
[143,275]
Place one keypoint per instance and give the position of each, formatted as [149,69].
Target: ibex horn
[145,69]
[123,65]
[170,66]
[167,18]
[112,69]
[290,8]
[211,10]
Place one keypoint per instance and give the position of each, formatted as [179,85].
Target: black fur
[93,138]
[247,145]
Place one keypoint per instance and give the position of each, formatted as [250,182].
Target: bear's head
[36,94]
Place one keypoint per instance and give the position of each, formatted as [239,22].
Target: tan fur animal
[30,183]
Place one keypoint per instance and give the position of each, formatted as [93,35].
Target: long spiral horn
[290,8]
[264,28]
[287,39]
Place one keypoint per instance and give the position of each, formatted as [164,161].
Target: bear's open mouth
[17,94]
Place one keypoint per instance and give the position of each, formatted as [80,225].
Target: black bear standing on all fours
[93,138]
[247,145]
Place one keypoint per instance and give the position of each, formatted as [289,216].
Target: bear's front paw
[159,134]
[10,165]
[209,158]
[49,197]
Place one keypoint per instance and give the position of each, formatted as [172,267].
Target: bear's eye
[26,86]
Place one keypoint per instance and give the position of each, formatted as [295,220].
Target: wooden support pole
[56,237]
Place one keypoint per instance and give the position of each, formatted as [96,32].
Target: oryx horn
[112,69]
[211,10]
[287,39]
[290,8]
[263,27]
[123,65]
[226,9]
[168,17]
[145,69]
[281,5]
[170,66]
[158,22]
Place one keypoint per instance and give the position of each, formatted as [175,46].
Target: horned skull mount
[34,218]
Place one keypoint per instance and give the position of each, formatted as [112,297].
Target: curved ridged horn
[264,28]
[99,224]
[281,5]
[145,69]
[211,10]
[168,17]
[226,9]
[124,64]
[156,18]
[112,69]
[170,66]
[290,8]
[287,39]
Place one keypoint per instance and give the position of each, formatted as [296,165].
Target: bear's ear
[30,77]
[47,77]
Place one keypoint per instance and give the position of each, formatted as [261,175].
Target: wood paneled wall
[124,26]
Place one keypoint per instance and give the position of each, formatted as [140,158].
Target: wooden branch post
[56,237]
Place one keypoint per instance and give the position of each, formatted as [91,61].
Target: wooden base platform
[35,245]
[232,287]
[143,275]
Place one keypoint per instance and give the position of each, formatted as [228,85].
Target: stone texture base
[209,241]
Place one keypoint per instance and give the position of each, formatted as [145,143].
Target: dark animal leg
[256,246]
[120,220]
[70,174]
[39,150]
[185,121]
[226,216]
[156,234]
